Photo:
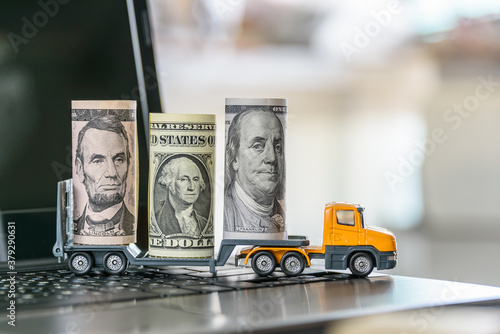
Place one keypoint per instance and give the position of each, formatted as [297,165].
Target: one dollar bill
[181,186]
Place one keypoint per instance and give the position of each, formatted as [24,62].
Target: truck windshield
[345,217]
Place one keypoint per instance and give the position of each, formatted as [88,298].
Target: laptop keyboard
[56,288]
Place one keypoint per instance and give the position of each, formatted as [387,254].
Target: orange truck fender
[278,253]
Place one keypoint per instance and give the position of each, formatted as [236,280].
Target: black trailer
[115,259]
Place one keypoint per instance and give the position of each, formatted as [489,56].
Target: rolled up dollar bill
[104,172]
[254,193]
[182,149]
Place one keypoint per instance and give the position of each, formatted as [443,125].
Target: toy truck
[347,243]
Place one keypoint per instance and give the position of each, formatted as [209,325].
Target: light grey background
[353,120]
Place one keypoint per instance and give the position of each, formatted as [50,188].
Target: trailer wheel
[114,263]
[263,263]
[293,263]
[80,263]
[361,264]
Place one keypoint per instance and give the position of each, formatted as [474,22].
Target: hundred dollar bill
[254,192]
[104,172]
[181,188]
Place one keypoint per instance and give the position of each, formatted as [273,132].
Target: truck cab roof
[344,205]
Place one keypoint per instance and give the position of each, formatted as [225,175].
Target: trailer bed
[138,257]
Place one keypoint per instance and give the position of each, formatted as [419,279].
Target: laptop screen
[52,52]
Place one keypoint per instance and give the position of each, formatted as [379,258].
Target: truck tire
[293,263]
[361,264]
[114,263]
[80,263]
[263,263]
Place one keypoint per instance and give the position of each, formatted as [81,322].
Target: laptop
[52,52]
[55,51]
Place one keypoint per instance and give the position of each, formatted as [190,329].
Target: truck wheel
[114,263]
[361,264]
[263,263]
[293,263]
[80,263]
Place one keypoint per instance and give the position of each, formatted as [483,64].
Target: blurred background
[392,104]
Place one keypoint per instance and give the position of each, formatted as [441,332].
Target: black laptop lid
[52,52]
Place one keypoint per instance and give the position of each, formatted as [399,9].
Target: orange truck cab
[347,243]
